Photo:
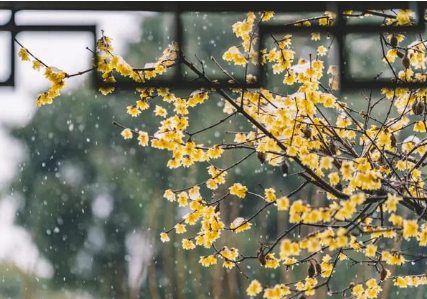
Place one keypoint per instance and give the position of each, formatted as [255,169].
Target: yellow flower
[188,244]
[371,283]
[315,36]
[206,261]
[254,288]
[323,21]
[228,264]
[124,69]
[240,138]
[192,218]
[391,202]
[169,195]
[400,282]
[271,261]
[422,237]
[234,54]
[358,198]
[164,237]
[270,195]
[106,90]
[373,292]
[347,169]
[391,258]
[211,184]
[283,203]
[143,138]
[410,228]
[420,127]
[238,190]
[133,110]
[230,254]
[290,78]
[194,192]
[347,210]
[313,245]
[239,225]
[43,99]
[370,250]
[196,97]
[183,199]
[36,65]
[127,133]
[334,178]
[288,248]
[321,51]
[215,152]
[180,228]
[23,54]
[357,290]
[401,165]
[326,162]
[142,104]
[391,55]
[160,111]
[343,121]
[404,17]
[268,15]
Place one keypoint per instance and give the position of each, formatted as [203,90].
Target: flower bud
[393,41]
[261,256]
[318,269]
[393,140]
[307,131]
[284,168]
[383,274]
[418,107]
[261,157]
[311,270]
[405,61]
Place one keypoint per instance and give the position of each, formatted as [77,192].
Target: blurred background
[81,209]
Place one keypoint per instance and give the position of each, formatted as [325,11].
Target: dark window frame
[339,31]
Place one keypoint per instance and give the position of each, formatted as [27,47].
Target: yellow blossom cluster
[366,171]
[410,281]
[238,190]
[370,290]
[54,75]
